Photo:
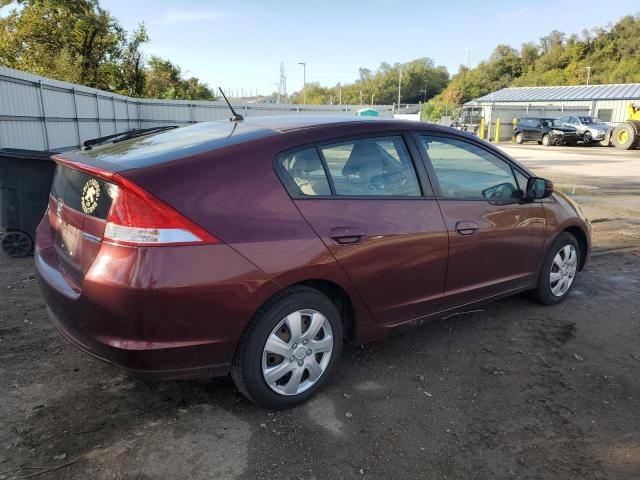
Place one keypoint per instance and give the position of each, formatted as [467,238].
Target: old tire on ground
[289,349]
[624,136]
[519,138]
[16,244]
[559,270]
[546,140]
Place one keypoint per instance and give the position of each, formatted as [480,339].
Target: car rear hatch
[79,205]
[93,202]
[89,206]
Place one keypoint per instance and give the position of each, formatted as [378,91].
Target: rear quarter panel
[235,194]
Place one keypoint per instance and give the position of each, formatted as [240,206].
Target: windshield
[588,120]
[551,123]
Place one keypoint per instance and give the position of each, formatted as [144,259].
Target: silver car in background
[590,129]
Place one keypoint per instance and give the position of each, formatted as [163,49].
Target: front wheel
[546,140]
[587,138]
[559,270]
[289,350]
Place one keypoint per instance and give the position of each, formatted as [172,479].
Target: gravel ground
[515,390]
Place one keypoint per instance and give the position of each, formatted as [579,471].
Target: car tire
[546,140]
[560,265]
[276,323]
[587,138]
[519,138]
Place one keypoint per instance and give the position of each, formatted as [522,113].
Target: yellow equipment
[626,135]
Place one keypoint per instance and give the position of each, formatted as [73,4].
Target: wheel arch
[335,293]
[581,237]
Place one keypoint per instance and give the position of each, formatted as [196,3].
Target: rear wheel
[16,244]
[546,140]
[559,270]
[289,350]
[519,138]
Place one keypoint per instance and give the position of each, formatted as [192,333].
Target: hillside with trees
[612,54]
[421,80]
[80,42]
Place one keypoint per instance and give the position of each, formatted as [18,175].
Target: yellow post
[497,137]
[515,124]
[482,129]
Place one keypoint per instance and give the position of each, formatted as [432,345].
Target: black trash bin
[25,181]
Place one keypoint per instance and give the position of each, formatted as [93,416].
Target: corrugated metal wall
[43,114]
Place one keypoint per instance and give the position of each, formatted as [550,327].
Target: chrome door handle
[466,228]
[346,235]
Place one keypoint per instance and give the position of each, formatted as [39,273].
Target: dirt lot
[513,391]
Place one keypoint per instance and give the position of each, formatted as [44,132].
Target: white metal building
[607,102]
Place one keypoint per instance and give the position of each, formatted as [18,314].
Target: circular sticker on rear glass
[90,195]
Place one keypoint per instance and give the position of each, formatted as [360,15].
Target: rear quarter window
[303,174]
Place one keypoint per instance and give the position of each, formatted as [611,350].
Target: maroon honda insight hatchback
[258,247]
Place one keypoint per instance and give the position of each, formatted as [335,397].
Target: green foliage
[612,53]
[421,80]
[80,42]
[164,80]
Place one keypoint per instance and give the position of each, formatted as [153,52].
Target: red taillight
[138,218]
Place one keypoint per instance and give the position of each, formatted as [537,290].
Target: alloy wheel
[563,270]
[297,352]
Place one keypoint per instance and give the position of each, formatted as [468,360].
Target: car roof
[286,123]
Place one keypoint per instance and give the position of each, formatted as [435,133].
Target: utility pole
[340,96]
[304,80]
[361,102]
[277,85]
[588,69]
[399,86]
[372,99]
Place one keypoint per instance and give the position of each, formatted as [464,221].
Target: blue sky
[240,44]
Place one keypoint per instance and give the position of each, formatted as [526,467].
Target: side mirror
[538,188]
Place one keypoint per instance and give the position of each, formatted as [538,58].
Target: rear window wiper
[122,136]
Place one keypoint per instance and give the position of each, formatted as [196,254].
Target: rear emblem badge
[90,196]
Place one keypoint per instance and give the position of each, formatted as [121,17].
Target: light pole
[399,85]
[304,80]
[588,69]
[278,97]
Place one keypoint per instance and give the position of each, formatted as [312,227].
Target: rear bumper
[164,312]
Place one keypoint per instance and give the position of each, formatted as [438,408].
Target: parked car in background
[589,129]
[256,247]
[545,131]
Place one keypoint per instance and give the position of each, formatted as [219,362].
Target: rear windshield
[173,144]
[82,192]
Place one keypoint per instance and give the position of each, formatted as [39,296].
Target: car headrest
[306,161]
[365,155]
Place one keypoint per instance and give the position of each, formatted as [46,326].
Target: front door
[374,216]
[496,237]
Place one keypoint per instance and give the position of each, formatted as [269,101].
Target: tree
[164,80]
[132,67]
[73,40]
[80,42]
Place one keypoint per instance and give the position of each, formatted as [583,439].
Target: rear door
[376,214]
[496,236]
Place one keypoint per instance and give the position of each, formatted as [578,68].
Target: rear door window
[379,166]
